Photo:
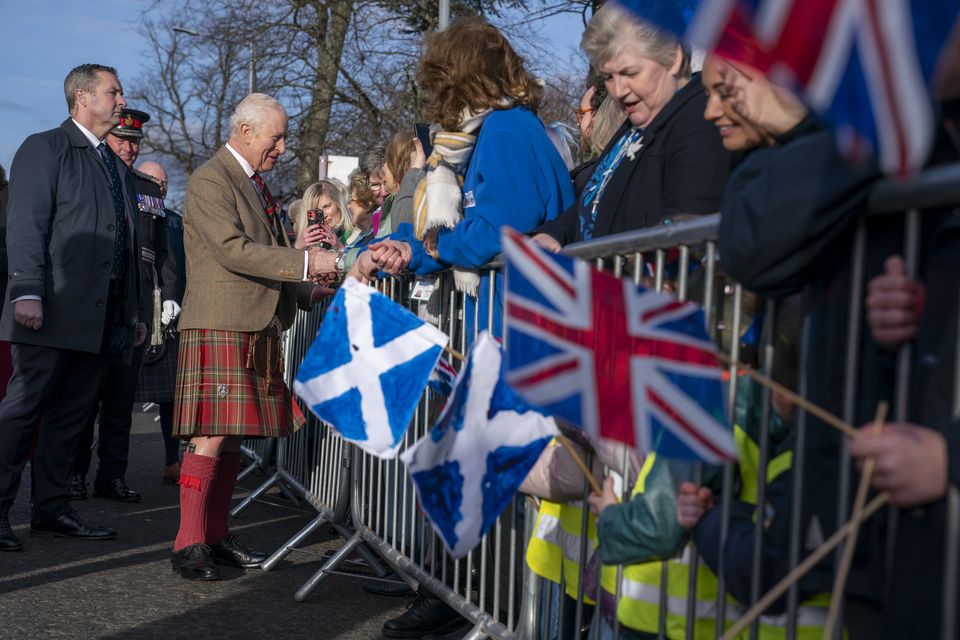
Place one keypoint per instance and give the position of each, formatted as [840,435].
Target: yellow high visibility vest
[554,548]
[639,601]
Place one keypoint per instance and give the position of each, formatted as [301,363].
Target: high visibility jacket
[554,549]
[639,601]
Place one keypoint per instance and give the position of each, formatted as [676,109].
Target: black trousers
[60,385]
[114,404]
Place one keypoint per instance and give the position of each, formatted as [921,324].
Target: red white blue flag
[867,66]
[620,361]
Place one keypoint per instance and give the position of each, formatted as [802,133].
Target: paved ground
[125,589]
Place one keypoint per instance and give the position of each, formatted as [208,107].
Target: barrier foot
[329,566]
[291,496]
[256,462]
[293,542]
[259,491]
[364,551]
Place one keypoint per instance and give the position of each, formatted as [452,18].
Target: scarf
[629,144]
[437,201]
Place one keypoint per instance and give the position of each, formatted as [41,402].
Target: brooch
[634,148]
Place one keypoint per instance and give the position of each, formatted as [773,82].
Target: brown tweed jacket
[238,275]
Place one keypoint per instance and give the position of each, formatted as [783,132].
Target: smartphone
[315,217]
[422,131]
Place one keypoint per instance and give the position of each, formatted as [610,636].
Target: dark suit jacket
[682,168]
[60,240]
[4,194]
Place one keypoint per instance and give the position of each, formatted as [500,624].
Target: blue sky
[41,40]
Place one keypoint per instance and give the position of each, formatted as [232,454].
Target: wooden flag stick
[801,569]
[456,354]
[799,400]
[840,580]
[562,439]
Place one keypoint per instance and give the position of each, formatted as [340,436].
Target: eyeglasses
[580,113]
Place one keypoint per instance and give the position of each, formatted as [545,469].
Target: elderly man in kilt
[244,284]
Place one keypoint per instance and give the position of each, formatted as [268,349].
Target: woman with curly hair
[491,160]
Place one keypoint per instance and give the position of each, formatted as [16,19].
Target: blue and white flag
[470,465]
[442,378]
[367,368]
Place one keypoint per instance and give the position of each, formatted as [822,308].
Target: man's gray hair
[83,78]
[371,160]
[251,109]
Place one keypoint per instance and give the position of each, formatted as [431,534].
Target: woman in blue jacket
[485,104]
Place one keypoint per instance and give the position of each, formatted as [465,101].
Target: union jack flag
[620,361]
[866,65]
[442,378]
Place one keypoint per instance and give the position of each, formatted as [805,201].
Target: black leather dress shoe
[194,563]
[78,487]
[115,489]
[428,615]
[70,525]
[230,551]
[8,540]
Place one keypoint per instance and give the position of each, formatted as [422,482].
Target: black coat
[787,223]
[60,240]
[681,169]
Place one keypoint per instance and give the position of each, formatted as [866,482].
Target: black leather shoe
[389,585]
[70,525]
[427,615]
[232,552]
[194,563]
[115,489]
[8,540]
[78,487]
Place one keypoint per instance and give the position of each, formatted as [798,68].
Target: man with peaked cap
[119,384]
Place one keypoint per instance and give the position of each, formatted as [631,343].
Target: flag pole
[453,352]
[562,439]
[843,570]
[801,569]
[799,400]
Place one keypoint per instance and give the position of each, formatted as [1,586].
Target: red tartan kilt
[217,395]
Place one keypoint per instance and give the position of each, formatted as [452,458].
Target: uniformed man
[115,401]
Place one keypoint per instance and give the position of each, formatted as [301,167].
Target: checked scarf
[438,199]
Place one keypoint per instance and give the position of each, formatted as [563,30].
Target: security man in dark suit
[119,385]
[73,298]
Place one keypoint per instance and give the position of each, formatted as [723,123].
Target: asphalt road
[125,588]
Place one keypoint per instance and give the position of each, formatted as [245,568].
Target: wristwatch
[339,261]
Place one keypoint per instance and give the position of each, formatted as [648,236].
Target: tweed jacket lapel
[242,182]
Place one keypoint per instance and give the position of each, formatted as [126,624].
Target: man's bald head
[154,170]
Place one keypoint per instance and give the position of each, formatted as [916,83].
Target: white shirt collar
[88,134]
[246,166]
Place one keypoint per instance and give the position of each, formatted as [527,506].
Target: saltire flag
[867,66]
[486,440]
[442,378]
[618,360]
[367,368]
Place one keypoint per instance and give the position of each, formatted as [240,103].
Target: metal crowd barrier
[492,587]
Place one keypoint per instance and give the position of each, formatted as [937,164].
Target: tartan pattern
[217,395]
[159,379]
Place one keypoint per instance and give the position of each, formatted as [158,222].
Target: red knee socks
[221,495]
[197,481]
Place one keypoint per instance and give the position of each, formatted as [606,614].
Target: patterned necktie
[120,240]
[270,207]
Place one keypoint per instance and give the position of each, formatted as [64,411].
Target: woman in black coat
[665,159]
